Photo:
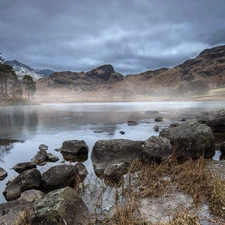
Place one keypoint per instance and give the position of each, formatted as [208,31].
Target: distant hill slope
[206,71]
[22,69]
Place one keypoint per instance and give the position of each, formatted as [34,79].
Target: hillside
[193,77]
[22,69]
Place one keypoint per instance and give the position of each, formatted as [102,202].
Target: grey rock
[11,211]
[216,121]
[43,147]
[73,148]
[11,179]
[3,174]
[132,123]
[40,157]
[29,179]
[81,171]
[51,158]
[156,149]
[116,151]
[31,195]
[116,170]
[63,206]
[158,119]
[156,128]
[61,176]
[20,167]
[190,140]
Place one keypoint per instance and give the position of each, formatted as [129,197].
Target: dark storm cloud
[133,36]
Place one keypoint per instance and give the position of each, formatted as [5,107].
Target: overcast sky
[132,35]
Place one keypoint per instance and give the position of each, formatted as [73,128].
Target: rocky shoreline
[53,197]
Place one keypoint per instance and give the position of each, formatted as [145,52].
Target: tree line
[11,86]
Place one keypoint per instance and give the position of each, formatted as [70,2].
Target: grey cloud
[217,38]
[133,36]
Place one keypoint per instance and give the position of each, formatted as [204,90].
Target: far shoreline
[94,99]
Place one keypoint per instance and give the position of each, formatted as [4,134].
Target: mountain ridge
[193,76]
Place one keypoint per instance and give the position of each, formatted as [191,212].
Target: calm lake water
[24,128]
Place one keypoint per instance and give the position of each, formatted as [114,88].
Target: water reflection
[5,146]
[14,121]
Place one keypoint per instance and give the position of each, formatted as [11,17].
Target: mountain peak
[102,72]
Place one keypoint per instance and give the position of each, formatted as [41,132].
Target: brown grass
[217,198]
[24,218]
[152,181]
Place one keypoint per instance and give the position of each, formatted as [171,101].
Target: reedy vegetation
[119,204]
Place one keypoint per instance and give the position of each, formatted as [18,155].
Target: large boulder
[63,206]
[216,121]
[190,140]
[62,175]
[114,154]
[156,149]
[29,179]
[73,149]
[11,211]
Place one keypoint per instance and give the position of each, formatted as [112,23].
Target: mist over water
[24,128]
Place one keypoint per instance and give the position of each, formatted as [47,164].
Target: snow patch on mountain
[22,69]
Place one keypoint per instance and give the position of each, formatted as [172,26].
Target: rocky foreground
[59,195]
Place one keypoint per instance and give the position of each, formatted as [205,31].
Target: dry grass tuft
[217,198]
[184,218]
[192,177]
[24,218]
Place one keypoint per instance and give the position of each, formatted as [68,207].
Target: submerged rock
[132,123]
[190,140]
[63,206]
[158,119]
